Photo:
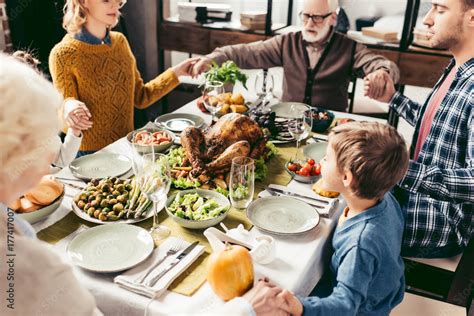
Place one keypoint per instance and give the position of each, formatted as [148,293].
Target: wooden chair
[433,282]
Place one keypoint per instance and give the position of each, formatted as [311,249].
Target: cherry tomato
[292,167]
[317,169]
[311,162]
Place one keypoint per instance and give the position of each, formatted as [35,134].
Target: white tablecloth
[299,264]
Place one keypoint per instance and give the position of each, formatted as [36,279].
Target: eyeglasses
[315,18]
[120,3]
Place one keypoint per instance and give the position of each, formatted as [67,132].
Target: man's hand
[77,116]
[379,85]
[265,299]
[202,65]
[185,68]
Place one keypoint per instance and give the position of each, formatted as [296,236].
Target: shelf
[233,26]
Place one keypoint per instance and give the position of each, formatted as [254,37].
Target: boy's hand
[185,68]
[379,86]
[294,305]
[202,65]
[265,299]
[77,115]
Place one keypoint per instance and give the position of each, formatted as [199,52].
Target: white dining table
[299,264]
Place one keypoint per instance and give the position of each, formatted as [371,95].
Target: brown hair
[374,153]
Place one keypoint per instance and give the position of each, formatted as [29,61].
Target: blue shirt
[85,36]
[437,191]
[367,264]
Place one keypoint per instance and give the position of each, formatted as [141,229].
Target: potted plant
[228,73]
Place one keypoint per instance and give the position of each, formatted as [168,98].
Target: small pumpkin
[230,272]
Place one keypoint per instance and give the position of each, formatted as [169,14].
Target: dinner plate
[110,248]
[177,122]
[148,214]
[283,109]
[282,215]
[315,151]
[100,165]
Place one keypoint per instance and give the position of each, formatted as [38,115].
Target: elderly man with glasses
[317,61]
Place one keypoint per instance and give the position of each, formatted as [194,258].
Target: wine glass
[242,180]
[212,89]
[300,123]
[152,176]
[264,83]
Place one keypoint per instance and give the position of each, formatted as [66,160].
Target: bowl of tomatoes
[307,172]
[149,140]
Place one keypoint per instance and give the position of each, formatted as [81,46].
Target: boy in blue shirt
[363,161]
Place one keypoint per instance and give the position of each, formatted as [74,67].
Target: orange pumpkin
[230,272]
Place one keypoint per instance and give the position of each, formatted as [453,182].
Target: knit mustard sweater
[107,80]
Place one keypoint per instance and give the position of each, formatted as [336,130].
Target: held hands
[77,116]
[202,65]
[379,85]
[185,68]
[268,299]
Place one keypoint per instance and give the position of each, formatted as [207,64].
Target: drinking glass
[300,123]
[212,89]
[242,179]
[264,83]
[153,178]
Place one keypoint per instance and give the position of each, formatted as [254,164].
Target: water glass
[242,180]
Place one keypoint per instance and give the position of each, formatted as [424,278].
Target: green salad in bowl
[197,208]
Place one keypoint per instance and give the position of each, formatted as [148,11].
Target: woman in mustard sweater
[95,67]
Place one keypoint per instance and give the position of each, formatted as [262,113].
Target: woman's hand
[77,116]
[185,68]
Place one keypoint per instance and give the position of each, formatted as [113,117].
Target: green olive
[81,204]
[83,196]
[96,213]
[90,198]
[102,217]
[87,206]
[121,198]
[129,187]
[104,203]
[110,197]
[90,212]
[118,207]
[105,187]
[112,201]
[116,193]
[120,187]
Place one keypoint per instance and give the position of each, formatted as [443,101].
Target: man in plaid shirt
[437,192]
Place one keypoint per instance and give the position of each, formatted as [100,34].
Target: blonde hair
[75,16]
[28,118]
[374,153]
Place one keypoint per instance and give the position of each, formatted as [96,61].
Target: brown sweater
[326,84]
[107,80]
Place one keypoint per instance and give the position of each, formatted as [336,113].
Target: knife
[297,195]
[325,215]
[183,254]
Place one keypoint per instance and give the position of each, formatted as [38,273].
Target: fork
[172,251]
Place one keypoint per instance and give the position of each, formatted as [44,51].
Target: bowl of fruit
[229,102]
[307,172]
[322,119]
[151,139]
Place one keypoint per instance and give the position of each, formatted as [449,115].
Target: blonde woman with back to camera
[34,280]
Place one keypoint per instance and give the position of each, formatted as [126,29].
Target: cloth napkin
[328,209]
[128,279]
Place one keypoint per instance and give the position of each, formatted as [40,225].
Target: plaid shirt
[439,186]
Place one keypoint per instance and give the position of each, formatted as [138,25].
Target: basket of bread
[40,201]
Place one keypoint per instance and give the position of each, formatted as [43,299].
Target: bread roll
[319,190]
